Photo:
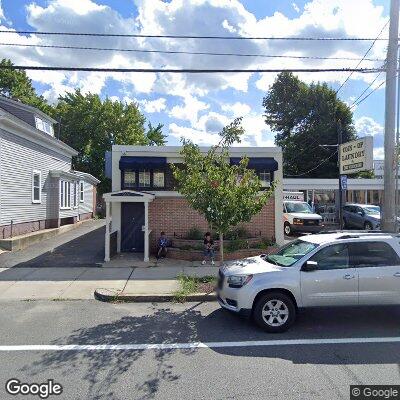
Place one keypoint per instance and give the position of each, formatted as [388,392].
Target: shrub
[237,233]
[237,244]
[194,233]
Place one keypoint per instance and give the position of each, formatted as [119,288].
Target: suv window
[332,257]
[372,254]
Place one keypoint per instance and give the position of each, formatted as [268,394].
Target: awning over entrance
[128,162]
[258,163]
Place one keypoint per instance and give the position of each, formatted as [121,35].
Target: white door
[334,282]
[378,267]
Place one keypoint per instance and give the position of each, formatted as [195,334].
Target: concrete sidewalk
[80,283]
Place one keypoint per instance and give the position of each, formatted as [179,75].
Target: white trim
[36,172]
[65,194]
[332,184]
[142,196]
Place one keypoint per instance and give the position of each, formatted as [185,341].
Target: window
[81,192]
[65,194]
[36,187]
[129,179]
[75,195]
[373,254]
[144,178]
[44,126]
[265,178]
[291,253]
[158,179]
[332,257]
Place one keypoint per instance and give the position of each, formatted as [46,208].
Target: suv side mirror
[309,266]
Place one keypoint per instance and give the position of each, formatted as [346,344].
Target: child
[208,248]
[162,246]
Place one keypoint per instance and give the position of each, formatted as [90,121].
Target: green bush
[194,233]
[237,233]
[237,244]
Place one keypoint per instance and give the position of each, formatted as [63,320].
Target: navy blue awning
[128,162]
[258,163]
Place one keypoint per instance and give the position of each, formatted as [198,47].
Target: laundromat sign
[356,156]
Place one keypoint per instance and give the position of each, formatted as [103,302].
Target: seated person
[162,246]
[208,248]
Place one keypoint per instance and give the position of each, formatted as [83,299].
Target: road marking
[194,345]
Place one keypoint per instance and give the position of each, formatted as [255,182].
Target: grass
[193,284]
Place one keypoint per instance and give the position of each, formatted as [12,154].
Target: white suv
[330,269]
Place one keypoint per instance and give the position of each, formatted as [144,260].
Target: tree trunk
[221,247]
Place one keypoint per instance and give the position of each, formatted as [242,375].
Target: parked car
[362,216]
[299,217]
[332,269]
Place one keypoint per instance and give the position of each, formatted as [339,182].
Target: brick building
[144,201]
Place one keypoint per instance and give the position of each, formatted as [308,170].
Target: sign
[379,167]
[293,196]
[356,156]
[343,181]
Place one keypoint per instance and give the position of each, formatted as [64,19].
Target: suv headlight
[238,281]
[297,221]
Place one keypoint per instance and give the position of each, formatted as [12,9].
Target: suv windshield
[298,207]
[290,253]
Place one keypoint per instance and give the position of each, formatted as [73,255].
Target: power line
[184,70]
[312,169]
[137,35]
[187,52]
[365,90]
[369,94]
[365,55]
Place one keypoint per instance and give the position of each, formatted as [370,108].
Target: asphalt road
[280,371]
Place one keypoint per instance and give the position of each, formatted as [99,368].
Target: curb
[109,295]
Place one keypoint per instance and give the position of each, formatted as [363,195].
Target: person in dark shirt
[162,246]
[208,248]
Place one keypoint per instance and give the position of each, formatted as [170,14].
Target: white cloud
[153,106]
[236,109]
[379,153]
[296,7]
[367,126]
[197,136]
[189,110]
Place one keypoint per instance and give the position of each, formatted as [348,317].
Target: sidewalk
[81,283]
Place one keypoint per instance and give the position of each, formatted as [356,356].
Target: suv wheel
[368,226]
[287,229]
[275,312]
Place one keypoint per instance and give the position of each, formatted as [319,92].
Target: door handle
[348,276]
[397,274]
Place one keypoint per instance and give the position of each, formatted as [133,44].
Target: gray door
[334,283]
[378,267]
[132,221]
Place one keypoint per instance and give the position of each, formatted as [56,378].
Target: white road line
[194,345]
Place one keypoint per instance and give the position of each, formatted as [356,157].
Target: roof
[75,175]
[26,107]
[331,237]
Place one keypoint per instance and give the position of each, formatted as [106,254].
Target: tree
[91,126]
[304,117]
[225,194]
[15,84]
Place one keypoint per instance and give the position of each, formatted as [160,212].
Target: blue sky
[198,106]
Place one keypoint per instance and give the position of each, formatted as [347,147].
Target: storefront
[323,194]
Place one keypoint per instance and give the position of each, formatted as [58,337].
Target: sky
[197,106]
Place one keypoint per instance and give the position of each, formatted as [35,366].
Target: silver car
[332,269]
[362,216]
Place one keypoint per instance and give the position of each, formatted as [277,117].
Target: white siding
[18,157]
[87,205]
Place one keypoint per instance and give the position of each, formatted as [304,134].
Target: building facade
[38,188]
[144,200]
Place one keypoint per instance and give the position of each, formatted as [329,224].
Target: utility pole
[389,194]
[340,139]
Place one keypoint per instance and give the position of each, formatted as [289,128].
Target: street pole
[339,131]
[397,153]
[389,194]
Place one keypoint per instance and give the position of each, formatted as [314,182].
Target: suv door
[334,282]
[358,217]
[378,267]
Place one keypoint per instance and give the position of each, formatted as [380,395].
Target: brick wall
[175,218]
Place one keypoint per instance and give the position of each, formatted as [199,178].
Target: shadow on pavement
[85,251]
[104,369]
